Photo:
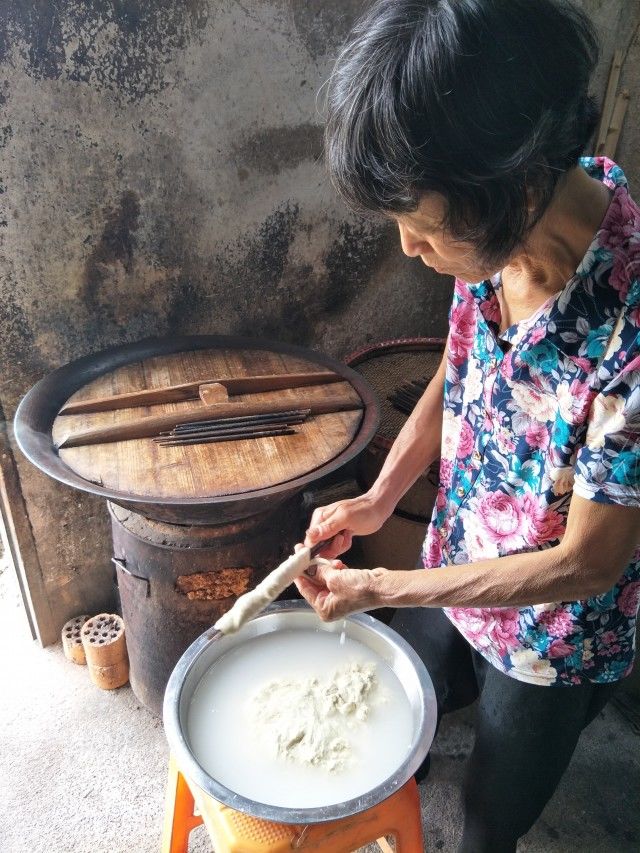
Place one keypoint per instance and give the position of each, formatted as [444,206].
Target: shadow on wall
[122,227]
[68,39]
[142,37]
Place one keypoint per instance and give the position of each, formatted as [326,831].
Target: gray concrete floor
[83,771]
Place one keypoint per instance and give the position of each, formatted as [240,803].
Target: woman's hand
[334,591]
[343,520]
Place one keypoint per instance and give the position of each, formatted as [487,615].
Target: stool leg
[408,836]
[179,818]
[398,815]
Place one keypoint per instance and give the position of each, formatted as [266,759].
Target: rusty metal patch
[214,586]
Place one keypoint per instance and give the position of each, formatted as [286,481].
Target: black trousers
[525,735]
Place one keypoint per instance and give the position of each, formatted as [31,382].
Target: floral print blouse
[547,408]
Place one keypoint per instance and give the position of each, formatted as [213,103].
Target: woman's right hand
[343,520]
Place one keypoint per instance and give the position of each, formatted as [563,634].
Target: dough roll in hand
[251,603]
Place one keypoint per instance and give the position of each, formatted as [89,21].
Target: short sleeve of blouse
[608,464]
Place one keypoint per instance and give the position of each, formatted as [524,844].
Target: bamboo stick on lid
[195,390]
[152,425]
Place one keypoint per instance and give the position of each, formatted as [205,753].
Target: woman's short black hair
[483,101]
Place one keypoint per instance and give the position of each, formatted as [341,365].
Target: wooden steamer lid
[201,483]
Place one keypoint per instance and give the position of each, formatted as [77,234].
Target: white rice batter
[307,720]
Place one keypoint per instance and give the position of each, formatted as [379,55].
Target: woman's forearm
[511,581]
[598,544]
[415,448]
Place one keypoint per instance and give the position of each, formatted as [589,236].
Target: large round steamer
[156,489]
[287,616]
[193,526]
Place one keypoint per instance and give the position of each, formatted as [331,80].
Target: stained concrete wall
[160,175]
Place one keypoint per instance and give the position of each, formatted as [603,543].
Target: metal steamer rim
[384,641]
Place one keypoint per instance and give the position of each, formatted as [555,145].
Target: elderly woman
[464,122]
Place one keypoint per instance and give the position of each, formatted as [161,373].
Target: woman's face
[422,235]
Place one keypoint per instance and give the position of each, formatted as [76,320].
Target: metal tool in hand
[315,550]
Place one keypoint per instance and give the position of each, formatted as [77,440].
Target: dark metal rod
[258,423]
[408,391]
[402,396]
[180,442]
[249,419]
[412,390]
[408,399]
[227,430]
[406,410]
[402,403]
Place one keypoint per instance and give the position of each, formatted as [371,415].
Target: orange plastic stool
[235,832]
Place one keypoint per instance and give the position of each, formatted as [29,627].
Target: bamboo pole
[609,102]
[615,126]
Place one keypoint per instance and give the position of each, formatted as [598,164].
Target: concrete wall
[160,175]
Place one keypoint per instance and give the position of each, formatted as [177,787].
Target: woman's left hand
[335,591]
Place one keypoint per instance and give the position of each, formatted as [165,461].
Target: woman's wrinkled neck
[557,243]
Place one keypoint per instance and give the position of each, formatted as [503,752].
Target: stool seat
[232,831]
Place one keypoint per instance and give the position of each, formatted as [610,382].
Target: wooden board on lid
[142,468]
